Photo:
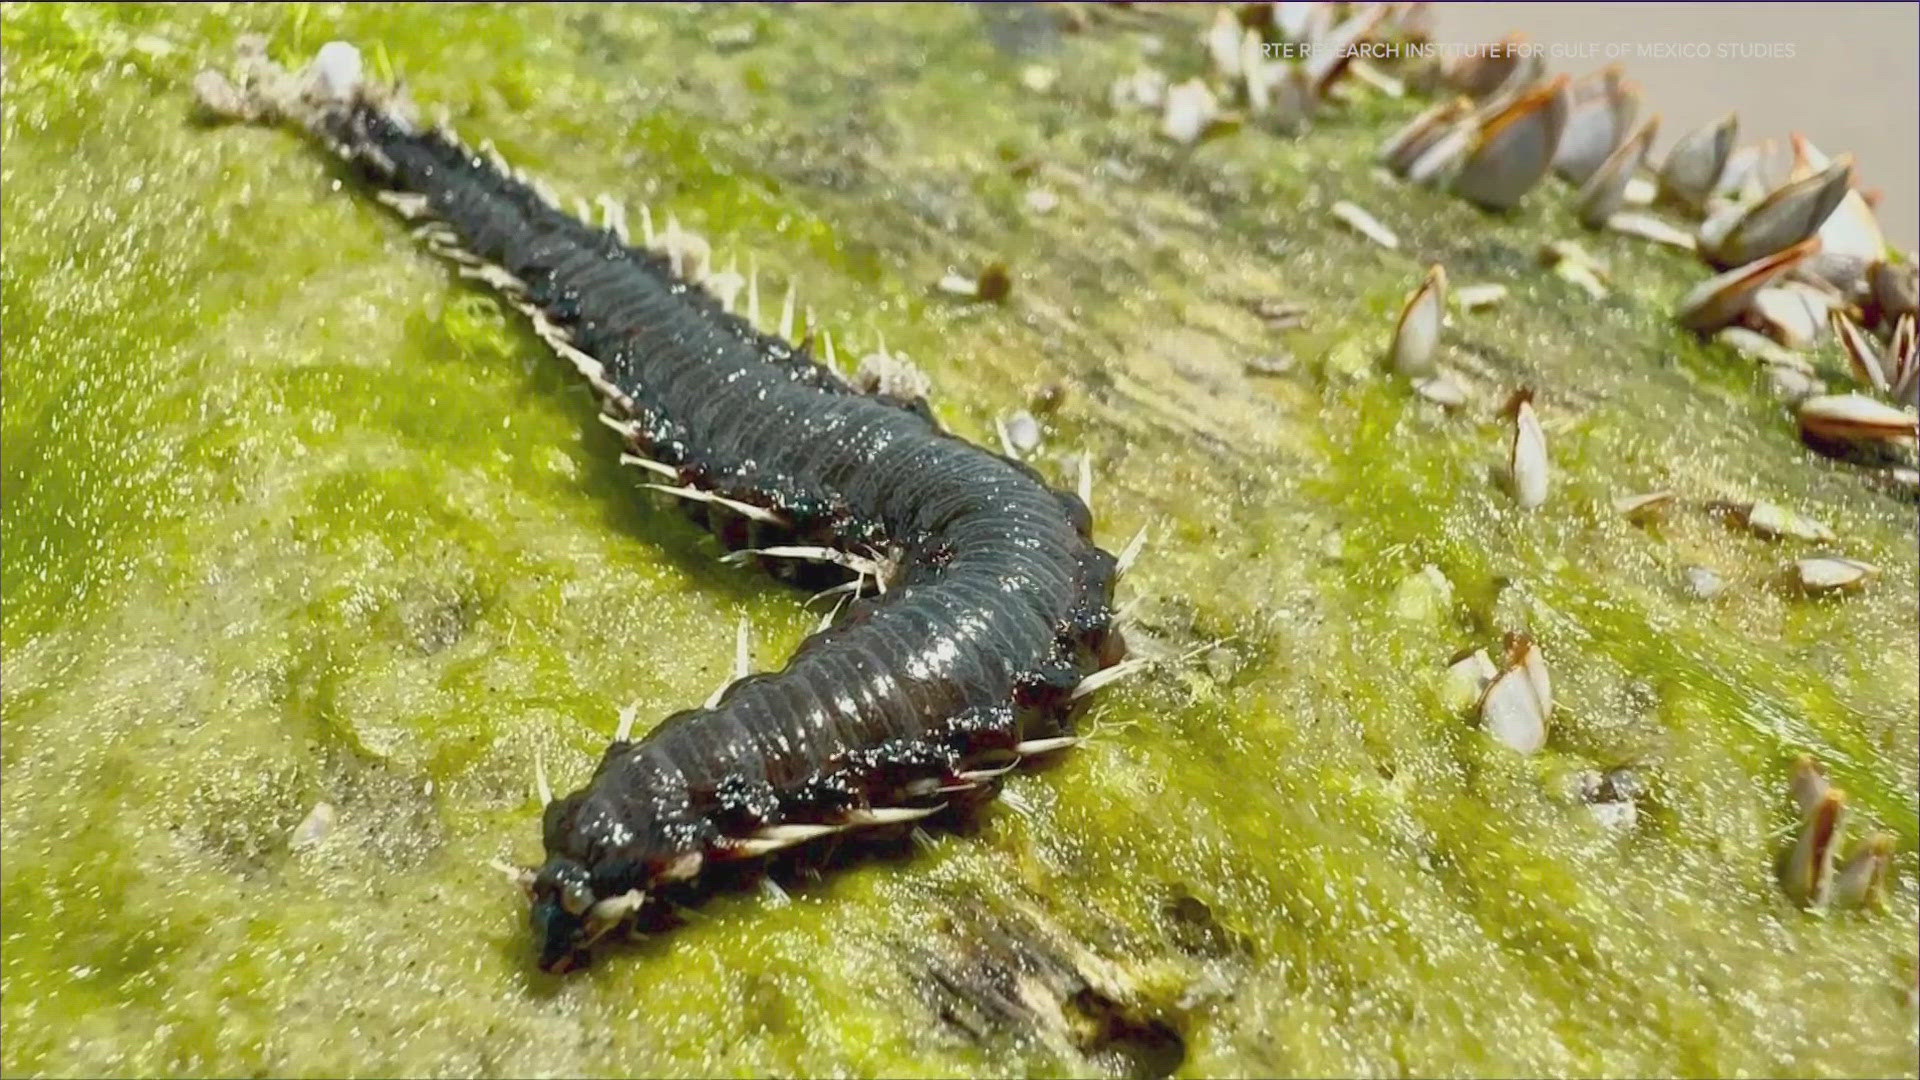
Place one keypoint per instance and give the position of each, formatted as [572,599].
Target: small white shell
[958,285]
[1648,227]
[1773,520]
[1856,416]
[1191,109]
[1475,297]
[1619,816]
[1606,188]
[314,827]
[1793,385]
[1364,223]
[1827,573]
[1641,507]
[1467,678]
[1441,389]
[1518,701]
[1572,263]
[1527,459]
[1758,346]
[1417,333]
[1703,582]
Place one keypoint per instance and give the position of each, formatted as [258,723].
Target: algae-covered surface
[293,516]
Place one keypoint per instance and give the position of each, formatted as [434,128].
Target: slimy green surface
[291,515]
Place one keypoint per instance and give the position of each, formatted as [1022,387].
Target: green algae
[291,517]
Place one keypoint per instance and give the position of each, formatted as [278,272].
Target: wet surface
[293,517]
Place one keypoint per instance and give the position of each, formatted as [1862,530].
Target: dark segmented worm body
[996,607]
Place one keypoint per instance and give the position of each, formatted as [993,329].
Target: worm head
[569,917]
[562,898]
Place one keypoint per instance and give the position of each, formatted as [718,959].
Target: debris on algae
[293,518]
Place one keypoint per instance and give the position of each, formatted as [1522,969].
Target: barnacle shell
[1602,110]
[1417,332]
[1518,701]
[1806,872]
[1787,216]
[1856,417]
[1693,166]
[1721,299]
[1527,458]
[1515,148]
[1828,573]
[1605,189]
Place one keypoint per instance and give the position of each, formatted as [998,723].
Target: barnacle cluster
[1795,263]
[1796,253]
